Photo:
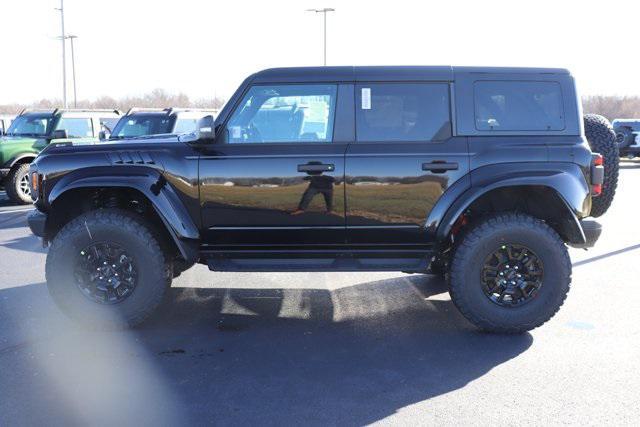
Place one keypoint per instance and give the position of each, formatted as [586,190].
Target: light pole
[73,70]
[324,19]
[64,56]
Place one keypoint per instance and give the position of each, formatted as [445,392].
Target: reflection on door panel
[270,195]
[395,197]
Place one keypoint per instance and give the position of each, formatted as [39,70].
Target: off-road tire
[482,240]
[14,182]
[128,231]
[602,139]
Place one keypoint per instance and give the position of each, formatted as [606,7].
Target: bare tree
[158,98]
[613,107]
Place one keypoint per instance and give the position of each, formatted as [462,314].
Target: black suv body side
[383,170]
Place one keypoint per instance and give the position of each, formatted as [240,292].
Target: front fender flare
[152,184]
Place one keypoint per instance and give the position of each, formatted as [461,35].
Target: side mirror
[206,129]
[103,136]
[60,134]
[1,132]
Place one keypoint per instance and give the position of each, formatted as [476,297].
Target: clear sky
[206,47]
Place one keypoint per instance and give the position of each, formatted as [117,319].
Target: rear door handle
[316,167]
[439,166]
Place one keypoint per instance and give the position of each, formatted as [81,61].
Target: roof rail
[72,110]
[90,110]
[134,109]
[169,110]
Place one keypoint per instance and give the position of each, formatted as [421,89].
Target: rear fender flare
[566,180]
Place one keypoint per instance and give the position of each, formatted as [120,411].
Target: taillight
[598,160]
[597,174]
[596,189]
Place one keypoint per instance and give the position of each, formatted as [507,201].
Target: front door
[404,158]
[275,175]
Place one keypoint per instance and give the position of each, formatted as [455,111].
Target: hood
[119,143]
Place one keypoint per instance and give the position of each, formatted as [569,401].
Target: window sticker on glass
[236,132]
[366,98]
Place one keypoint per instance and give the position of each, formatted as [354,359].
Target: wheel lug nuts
[105,263]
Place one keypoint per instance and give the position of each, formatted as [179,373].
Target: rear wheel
[106,269]
[510,273]
[602,139]
[17,184]
[624,137]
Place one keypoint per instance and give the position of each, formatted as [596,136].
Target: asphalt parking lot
[334,348]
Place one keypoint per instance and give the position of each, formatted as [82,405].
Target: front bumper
[37,222]
[4,172]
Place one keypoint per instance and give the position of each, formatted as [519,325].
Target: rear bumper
[37,222]
[592,230]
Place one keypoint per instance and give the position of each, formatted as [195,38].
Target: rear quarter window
[518,106]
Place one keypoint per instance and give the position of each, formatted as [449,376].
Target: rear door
[404,158]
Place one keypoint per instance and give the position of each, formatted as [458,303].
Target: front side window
[286,113]
[37,125]
[76,127]
[402,112]
[518,106]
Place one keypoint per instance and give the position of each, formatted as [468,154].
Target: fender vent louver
[130,158]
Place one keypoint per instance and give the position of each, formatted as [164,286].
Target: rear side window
[402,112]
[518,106]
[76,127]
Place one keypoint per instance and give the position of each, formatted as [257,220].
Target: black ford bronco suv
[483,175]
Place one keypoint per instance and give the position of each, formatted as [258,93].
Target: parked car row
[627,136]
[26,135]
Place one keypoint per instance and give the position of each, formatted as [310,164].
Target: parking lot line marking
[16,210]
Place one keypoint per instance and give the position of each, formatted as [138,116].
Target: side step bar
[266,262]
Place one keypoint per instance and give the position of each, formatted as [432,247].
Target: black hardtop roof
[386,73]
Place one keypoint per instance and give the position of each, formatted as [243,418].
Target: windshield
[142,125]
[31,125]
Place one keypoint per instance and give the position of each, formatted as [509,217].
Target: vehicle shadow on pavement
[349,356]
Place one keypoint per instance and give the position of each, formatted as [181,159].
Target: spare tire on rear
[602,139]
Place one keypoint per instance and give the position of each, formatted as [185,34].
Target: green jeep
[31,131]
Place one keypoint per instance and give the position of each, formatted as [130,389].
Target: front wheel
[510,273]
[105,269]
[17,184]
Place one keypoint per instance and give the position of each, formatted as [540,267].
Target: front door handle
[439,166]
[316,167]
